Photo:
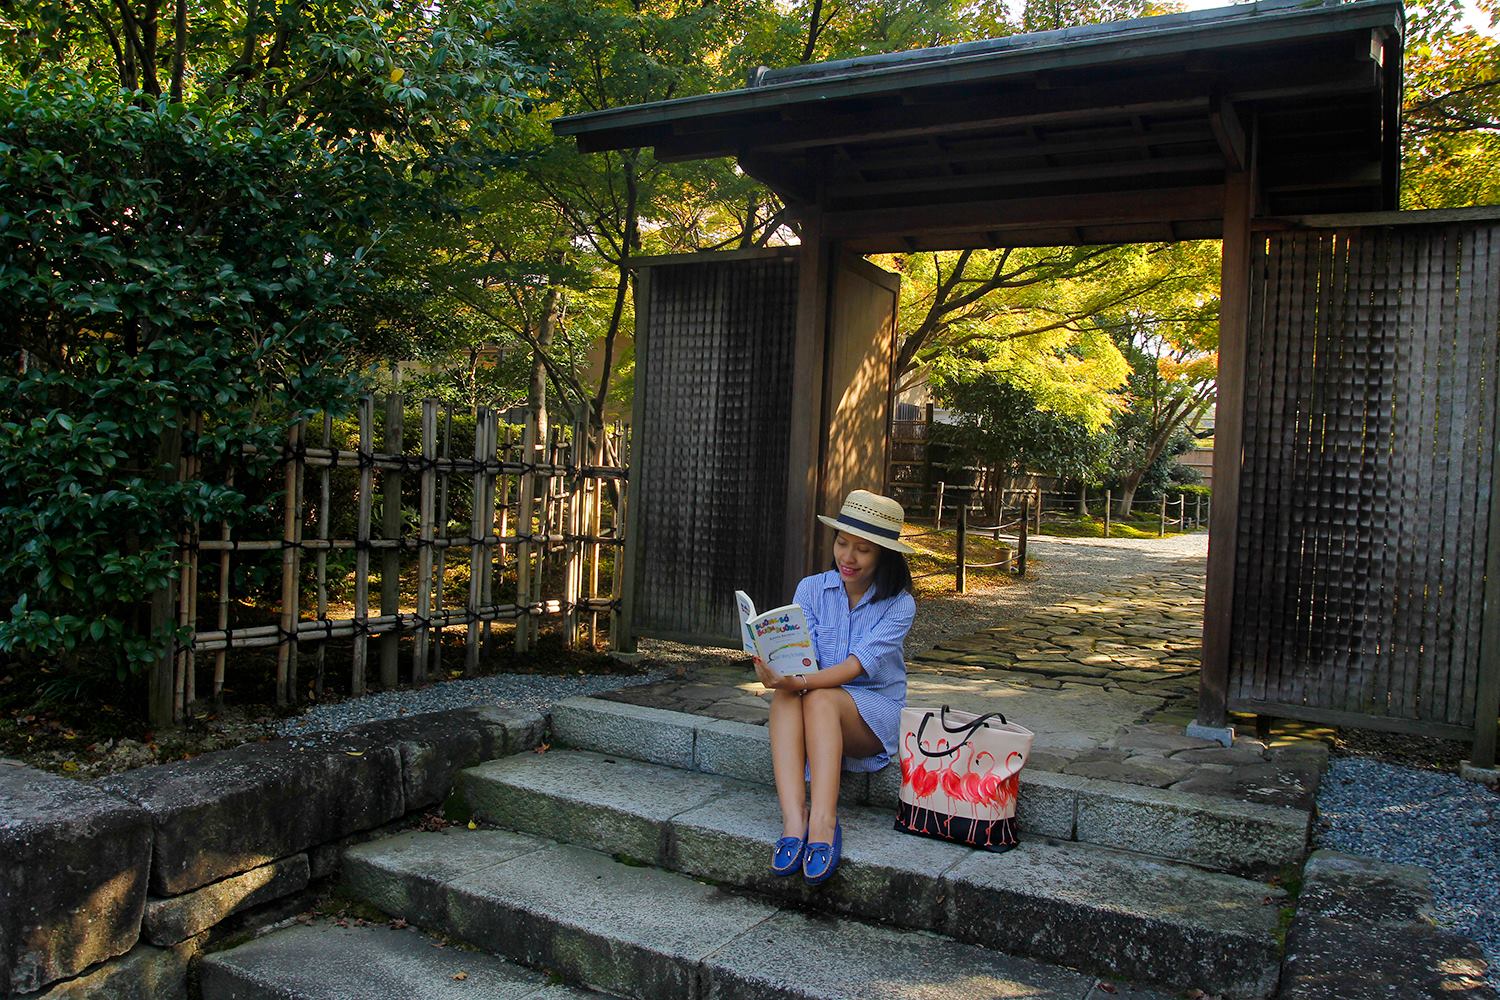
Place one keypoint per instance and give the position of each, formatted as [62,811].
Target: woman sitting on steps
[859,613]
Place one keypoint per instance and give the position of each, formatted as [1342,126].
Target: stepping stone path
[1108,681]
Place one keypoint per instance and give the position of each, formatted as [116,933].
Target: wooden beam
[794,186]
[994,110]
[1223,528]
[1229,132]
[999,180]
[1099,209]
[809,353]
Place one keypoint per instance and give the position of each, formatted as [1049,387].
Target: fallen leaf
[355,753]
[1106,987]
[399,924]
[473,825]
[542,748]
[460,975]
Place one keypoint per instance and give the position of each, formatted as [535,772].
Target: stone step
[1205,830]
[649,934]
[324,961]
[1106,911]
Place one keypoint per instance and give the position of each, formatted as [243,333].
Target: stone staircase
[631,859]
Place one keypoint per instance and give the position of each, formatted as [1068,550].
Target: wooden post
[362,545]
[478,528]
[325,511]
[160,682]
[1108,502]
[291,536]
[1021,538]
[1161,524]
[425,535]
[442,523]
[937,519]
[1487,696]
[961,575]
[1038,510]
[525,515]
[806,417]
[1234,319]
[390,528]
[223,617]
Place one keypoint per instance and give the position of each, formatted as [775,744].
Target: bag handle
[969,730]
[971,725]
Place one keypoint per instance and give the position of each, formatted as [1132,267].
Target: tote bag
[960,775]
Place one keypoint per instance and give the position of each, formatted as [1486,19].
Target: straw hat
[872,517]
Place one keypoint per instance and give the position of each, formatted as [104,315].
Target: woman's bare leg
[788,761]
[833,727]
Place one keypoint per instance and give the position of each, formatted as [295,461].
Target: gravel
[537,692]
[1441,822]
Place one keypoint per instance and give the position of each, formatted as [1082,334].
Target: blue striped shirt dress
[875,633]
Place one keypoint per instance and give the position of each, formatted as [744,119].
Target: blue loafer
[787,857]
[822,859]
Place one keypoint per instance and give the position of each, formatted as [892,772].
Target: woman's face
[856,559]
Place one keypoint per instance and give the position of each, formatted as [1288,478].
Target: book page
[747,612]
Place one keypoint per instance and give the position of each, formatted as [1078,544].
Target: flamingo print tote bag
[960,774]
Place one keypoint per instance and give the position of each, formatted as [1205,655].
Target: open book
[780,637]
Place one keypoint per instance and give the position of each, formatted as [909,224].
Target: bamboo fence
[539,516]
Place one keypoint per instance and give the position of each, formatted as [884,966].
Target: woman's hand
[772,681]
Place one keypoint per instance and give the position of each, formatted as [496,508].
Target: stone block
[735,750]
[435,746]
[1363,928]
[406,875]
[885,874]
[1210,831]
[801,957]
[616,805]
[1079,904]
[172,921]
[1047,805]
[622,730]
[74,862]
[144,973]
[635,932]
[321,961]
[518,729]
[227,812]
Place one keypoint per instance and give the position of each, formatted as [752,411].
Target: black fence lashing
[535,514]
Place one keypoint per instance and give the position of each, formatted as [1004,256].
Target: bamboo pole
[573,549]
[222,619]
[476,550]
[442,521]
[1108,502]
[184,681]
[426,531]
[325,511]
[390,527]
[487,518]
[595,525]
[617,582]
[524,515]
[362,548]
[290,533]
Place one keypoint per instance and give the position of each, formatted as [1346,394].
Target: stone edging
[153,859]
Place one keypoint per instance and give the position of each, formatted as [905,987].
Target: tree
[1451,124]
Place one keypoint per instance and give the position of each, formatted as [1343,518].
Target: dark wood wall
[1365,493]
[708,475]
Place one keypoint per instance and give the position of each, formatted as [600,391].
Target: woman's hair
[892,574]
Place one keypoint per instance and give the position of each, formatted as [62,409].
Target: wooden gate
[714,345]
[1366,489]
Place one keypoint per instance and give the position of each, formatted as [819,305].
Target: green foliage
[1451,124]
[155,264]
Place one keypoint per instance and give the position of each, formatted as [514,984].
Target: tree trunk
[1127,494]
[1083,500]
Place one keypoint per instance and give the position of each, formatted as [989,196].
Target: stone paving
[1106,680]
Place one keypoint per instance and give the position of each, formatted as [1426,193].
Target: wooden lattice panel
[1365,490]
[712,447]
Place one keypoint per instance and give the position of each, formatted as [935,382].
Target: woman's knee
[823,703]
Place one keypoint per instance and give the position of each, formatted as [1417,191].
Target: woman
[859,612]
